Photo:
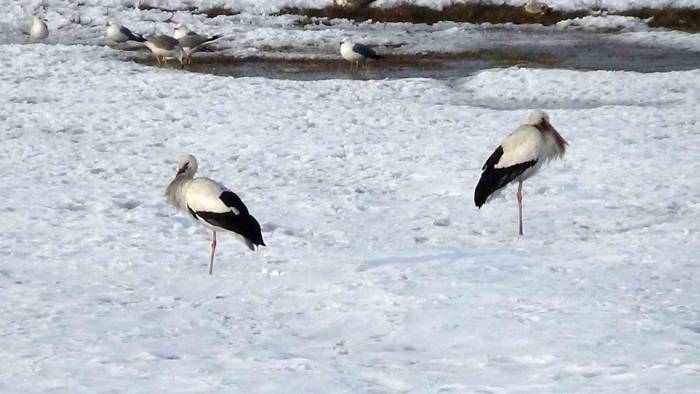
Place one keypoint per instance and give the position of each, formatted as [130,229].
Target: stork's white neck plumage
[176,191]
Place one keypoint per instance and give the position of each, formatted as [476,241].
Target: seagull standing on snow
[520,155]
[119,33]
[191,42]
[212,205]
[164,47]
[39,30]
[355,53]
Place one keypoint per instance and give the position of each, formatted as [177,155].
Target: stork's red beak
[558,136]
[182,169]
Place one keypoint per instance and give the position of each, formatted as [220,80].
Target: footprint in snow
[72,206]
[163,355]
[441,222]
[128,205]
[340,348]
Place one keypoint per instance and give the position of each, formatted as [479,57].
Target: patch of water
[536,48]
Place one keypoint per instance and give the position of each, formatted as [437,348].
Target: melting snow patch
[606,23]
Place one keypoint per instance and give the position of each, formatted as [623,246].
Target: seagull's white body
[118,33]
[536,7]
[352,3]
[348,53]
[180,31]
[162,51]
[39,30]
[520,156]
[355,53]
[190,41]
[164,47]
[212,205]
[114,33]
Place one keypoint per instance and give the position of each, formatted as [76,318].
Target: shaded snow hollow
[380,275]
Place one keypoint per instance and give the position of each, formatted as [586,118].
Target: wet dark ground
[537,49]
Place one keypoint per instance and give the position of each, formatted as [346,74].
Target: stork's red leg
[519,196]
[213,249]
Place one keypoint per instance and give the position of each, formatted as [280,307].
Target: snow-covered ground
[259,34]
[562,5]
[258,6]
[380,275]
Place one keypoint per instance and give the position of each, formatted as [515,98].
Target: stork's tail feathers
[253,233]
[252,244]
[483,190]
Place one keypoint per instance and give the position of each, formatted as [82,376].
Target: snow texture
[271,6]
[259,35]
[562,5]
[380,275]
[606,22]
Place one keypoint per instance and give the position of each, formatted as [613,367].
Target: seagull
[354,52]
[181,30]
[119,33]
[191,42]
[164,47]
[536,7]
[212,205]
[520,156]
[352,3]
[39,30]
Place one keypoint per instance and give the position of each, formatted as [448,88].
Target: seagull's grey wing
[365,51]
[164,42]
[193,40]
[130,35]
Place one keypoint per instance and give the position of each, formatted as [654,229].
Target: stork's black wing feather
[494,158]
[493,179]
[232,200]
[242,223]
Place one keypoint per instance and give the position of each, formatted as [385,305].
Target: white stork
[39,30]
[520,156]
[212,205]
[355,52]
